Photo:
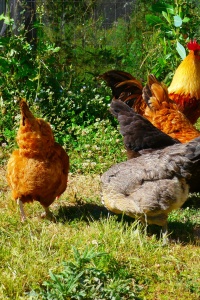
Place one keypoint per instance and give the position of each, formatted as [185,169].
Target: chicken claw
[48,214]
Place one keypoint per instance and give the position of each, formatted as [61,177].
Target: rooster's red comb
[193,45]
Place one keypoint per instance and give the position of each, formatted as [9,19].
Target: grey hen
[149,187]
[138,132]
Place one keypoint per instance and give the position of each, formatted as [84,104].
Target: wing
[150,185]
[138,132]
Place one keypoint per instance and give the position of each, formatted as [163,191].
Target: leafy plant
[176,23]
[90,277]
[58,78]
[94,148]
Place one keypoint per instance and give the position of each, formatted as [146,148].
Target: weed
[90,277]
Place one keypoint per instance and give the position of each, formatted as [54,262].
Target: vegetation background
[57,72]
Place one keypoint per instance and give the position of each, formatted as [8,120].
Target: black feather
[138,132]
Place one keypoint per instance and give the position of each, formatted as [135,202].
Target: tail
[138,132]
[118,107]
[114,77]
[124,87]
[35,136]
[155,93]
[25,112]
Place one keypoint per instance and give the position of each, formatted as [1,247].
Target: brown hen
[38,170]
[163,113]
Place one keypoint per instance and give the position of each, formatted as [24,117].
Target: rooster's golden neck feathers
[186,80]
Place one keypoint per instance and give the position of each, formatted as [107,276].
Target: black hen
[139,134]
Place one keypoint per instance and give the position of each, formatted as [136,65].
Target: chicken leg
[21,207]
[47,214]
[165,235]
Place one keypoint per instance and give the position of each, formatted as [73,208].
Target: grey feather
[152,185]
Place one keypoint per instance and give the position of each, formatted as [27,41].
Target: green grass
[134,263]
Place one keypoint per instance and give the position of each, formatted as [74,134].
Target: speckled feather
[152,185]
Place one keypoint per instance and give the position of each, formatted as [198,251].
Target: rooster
[38,170]
[185,86]
[149,187]
[139,133]
[126,88]
[153,103]
[183,90]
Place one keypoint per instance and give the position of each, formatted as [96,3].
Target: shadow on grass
[193,201]
[86,212]
[187,232]
[184,233]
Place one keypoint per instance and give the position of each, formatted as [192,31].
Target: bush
[59,77]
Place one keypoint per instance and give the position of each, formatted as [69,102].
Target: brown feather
[163,113]
[38,170]
[125,88]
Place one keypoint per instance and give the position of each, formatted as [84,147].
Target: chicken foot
[47,214]
[165,235]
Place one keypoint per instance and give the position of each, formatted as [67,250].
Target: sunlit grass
[31,250]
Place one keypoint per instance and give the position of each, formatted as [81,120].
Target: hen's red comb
[193,45]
